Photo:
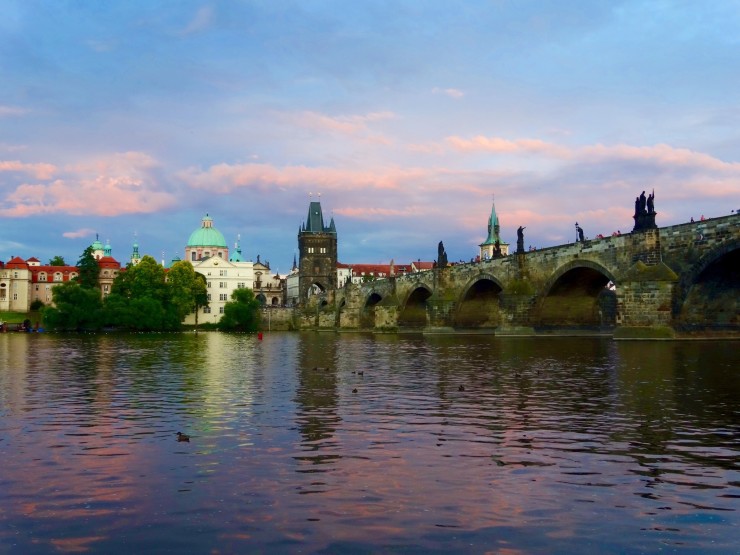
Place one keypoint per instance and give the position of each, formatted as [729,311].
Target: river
[353,443]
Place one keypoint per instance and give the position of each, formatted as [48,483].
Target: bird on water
[182,437]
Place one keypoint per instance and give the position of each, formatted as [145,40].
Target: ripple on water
[550,445]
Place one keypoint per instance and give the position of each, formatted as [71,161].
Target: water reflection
[326,443]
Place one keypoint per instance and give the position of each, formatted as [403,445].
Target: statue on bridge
[645,212]
[520,239]
[441,256]
[579,230]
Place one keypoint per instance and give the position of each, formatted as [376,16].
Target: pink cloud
[6,111]
[370,214]
[84,232]
[452,93]
[661,153]
[118,184]
[39,171]
[507,146]
[343,125]
[223,178]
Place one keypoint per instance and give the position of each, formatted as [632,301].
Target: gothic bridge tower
[317,247]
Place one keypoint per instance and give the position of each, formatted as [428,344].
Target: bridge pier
[516,314]
[645,292]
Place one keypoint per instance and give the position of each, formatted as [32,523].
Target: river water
[351,443]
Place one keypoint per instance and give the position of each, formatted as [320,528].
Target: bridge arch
[706,295]
[367,314]
[580,294]
[478,303]
[413,312]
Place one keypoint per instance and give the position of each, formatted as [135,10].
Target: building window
[222,273]
[240,285]
[15,296]
[223,297]
[222,284]
[220,310]
[192,256]
[206,310]
[58,276]
[322,250]
[15,275]
[209,284]
[209,297]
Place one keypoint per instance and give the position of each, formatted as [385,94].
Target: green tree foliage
[57,261]
[242,313]
[187,288]
[88,269]
[141,299]
[76,308]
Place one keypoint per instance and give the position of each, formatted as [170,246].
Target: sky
[132,120]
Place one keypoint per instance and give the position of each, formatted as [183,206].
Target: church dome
[207,235]
[97,245]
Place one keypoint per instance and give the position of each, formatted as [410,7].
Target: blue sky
[137,118]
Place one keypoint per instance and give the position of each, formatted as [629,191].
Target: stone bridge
[666,282]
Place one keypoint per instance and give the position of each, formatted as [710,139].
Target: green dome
[97,245]
[207,235]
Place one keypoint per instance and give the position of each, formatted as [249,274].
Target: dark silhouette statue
[580,234]
[441,256]
[645,212]
[520,239]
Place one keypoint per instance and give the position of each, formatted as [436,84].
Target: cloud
[508,146]
[660,155]
[84,232]
[119,184]
[224,178]
[39,171]
[200,21]
[344,125]
[371,214]
[452,93]
[12,111]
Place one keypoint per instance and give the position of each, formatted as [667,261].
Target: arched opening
[367,317]
[316,288]
[479,306]
[262,299]
[581,297]
[711,299]
[414,313]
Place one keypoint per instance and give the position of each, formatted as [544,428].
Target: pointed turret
[135,258]
[493,246]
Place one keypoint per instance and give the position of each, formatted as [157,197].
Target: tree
[187,291]
[76,308]
[201,294]
[242,313]
[57,261]
[88,269]
[140,299]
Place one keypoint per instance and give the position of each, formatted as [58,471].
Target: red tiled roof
[16,262]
